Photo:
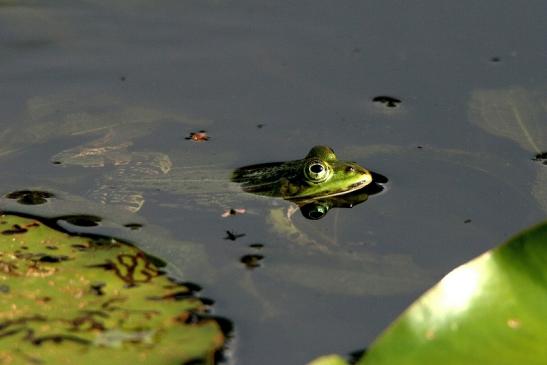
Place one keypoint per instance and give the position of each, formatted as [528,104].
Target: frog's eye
[316,171]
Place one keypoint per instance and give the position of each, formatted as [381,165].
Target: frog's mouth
[351,188]
[327,194]
[358,185]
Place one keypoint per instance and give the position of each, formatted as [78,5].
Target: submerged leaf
[71,299]
[539,190]
[348,273]
[490,310]
[517,114]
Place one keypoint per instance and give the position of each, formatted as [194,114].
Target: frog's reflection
[319,208]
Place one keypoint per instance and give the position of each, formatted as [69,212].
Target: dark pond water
[446,99]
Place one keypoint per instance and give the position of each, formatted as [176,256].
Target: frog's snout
[354,167]
[361,176]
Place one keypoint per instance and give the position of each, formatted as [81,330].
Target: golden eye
[316,171]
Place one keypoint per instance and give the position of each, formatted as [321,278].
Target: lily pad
[67,298]
[490,310]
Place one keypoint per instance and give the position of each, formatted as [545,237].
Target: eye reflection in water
[317,209]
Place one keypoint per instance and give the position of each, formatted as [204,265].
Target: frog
[318,175]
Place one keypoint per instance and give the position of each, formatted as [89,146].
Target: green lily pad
[491,310]
[67,299]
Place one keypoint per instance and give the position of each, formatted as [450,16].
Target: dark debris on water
[30,197]
[256,246]
[232,236]
[541,158]
[133,226]
[387,101]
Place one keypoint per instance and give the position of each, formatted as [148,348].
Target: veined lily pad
[67,299]
[519,115]
[515,113]
[490,310]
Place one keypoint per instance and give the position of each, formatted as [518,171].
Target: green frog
[319,175]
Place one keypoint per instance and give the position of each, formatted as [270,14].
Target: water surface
[268,81]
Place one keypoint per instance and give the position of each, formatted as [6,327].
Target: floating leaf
[490,310]
[69,299]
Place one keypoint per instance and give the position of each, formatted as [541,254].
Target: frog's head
[323,175]
[319,175]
